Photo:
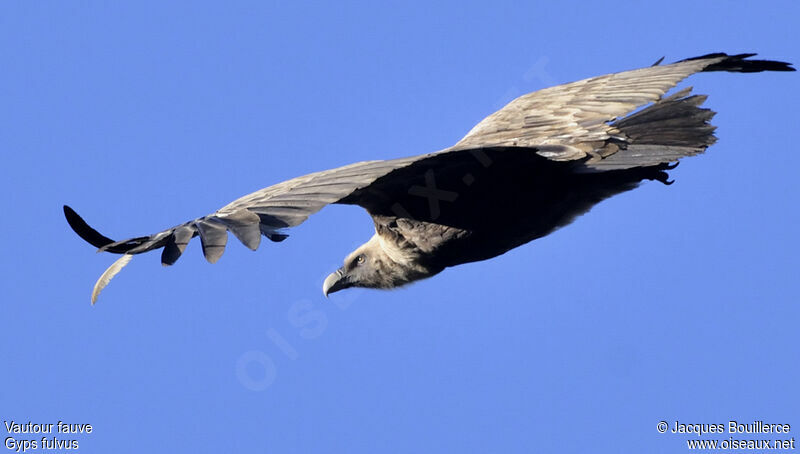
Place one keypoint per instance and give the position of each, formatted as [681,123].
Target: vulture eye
[360,259]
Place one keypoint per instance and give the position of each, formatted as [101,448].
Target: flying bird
[518,175]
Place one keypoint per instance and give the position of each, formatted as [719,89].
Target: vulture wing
[572,122]
[583,116]
[263,212]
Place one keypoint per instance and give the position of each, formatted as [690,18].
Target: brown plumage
[522,172]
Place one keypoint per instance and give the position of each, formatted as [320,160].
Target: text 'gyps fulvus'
[521,173]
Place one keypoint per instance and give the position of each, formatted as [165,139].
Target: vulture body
[521,173]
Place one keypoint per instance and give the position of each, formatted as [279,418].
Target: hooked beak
[336,281]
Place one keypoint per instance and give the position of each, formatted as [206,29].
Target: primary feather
[109,274]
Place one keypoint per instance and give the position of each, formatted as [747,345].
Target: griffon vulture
[521,173]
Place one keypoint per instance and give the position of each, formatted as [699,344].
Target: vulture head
[378,263]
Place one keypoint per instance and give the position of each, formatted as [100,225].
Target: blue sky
[665,303]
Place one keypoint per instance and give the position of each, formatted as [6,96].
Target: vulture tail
[665,131]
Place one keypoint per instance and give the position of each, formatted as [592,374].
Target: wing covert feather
[578,112]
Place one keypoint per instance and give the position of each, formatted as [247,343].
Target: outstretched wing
[580,116]
[264,212]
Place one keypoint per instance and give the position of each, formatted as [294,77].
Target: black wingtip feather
[277,237]
[83,230]
[739,63]
[171,253]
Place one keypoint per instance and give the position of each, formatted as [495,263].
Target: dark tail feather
[675,121]
[666,131]
[740,64]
